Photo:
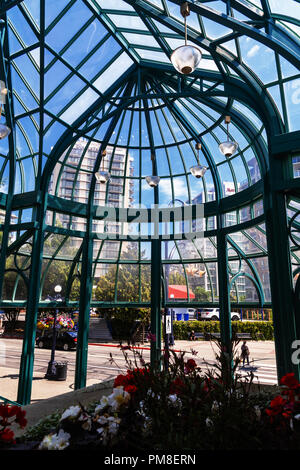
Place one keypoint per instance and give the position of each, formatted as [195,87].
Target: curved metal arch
[256,142]
[276,39]
[236,88]
[249,262]
[256,284]
[188,126]
[69,136]
[73,133]
[224,56]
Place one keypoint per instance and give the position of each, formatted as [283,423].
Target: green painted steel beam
[156,305]
[281,279]
[9,117]
[6,5]
[86,268]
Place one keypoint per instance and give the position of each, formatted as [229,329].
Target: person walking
[245,353]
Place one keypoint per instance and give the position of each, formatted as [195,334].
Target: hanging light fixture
[186,58]
[229,147]
[4,129]
[198,170]
[153,180]
[103,176]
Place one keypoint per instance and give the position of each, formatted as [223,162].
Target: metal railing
[5,401]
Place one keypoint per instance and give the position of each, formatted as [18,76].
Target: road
[107,361]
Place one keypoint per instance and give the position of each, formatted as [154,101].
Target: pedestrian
[245,353]
[192,336]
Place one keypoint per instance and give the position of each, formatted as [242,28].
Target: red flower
[290,381]
[276,406]
[20,418]
[7,436]
[190,365]
[130,389]
[177,386]
[121,380]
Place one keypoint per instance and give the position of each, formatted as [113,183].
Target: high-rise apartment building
[69,182]
[207,248]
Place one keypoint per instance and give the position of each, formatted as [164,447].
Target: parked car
[214,314]
[64,340]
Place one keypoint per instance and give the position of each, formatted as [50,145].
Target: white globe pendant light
[198,171]
[186,58]
[229,147]
[153,180]
[103,176]
[4,131]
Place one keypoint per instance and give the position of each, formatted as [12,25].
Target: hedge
[259,330]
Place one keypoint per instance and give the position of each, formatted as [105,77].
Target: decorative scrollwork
[294,228]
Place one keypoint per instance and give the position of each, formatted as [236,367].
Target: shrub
[259,330]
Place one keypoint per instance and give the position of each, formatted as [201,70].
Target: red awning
[179,292]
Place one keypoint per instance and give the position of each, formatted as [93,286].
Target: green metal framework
[83,78]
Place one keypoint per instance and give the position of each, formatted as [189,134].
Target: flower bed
[180,409]
[62,323]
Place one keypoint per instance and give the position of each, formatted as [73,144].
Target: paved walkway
[49,396]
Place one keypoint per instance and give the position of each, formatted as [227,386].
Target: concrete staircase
[99,330]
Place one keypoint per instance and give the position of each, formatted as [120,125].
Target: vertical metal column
[224,295]
[9,116]
[155,354]
[84,308]
[27,358]
[281,279]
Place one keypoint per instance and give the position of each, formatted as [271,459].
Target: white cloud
[253,51]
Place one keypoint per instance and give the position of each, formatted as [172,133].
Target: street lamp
[51,371]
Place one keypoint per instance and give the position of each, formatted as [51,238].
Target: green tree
[177,278]
[201,294]
[127,283]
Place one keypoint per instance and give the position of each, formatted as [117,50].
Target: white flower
[71,412]
[141,411]
[257,412]
[215,406]
[118,398]
[55,441]
[109,427]
[113,425]
[209,423]
[104,402]
[297,417]
[87,422]
[175,400]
